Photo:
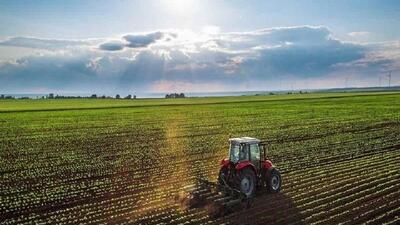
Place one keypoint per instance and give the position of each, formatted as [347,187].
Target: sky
[162,46]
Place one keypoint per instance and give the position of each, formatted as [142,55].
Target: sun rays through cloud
[184,60]
[189,45]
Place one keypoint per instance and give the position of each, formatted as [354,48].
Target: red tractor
[248,169]
[245,171]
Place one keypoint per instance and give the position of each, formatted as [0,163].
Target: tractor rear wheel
[273,180]
[247,182]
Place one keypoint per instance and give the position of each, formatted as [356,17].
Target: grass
[12,105]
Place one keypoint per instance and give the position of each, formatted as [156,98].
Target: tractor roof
[248,140]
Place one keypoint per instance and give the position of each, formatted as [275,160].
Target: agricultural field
[124,161]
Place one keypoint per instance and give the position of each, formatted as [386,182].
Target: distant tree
[1,96]
[103,97]
[128,97]
[134,97]
[51,96]
[93,96]
[117,96]
[175,95]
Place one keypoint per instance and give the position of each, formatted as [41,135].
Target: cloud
[184,60]
[112,46]
[381,58]
[275,37]
[142,40]
[46,72]
[304,60]
[359,36]
[40,43]
[137,41]
[359,33]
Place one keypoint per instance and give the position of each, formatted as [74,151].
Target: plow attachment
[217,199]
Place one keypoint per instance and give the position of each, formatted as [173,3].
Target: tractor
[246,171]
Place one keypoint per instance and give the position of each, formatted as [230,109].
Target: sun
[181,7]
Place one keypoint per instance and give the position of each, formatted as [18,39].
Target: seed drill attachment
[217,198]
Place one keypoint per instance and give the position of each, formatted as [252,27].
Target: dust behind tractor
[245,172]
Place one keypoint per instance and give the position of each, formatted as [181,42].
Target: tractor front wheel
[247,182]
[273,180]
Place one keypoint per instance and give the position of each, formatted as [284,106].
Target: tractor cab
[248,168]
[246,149]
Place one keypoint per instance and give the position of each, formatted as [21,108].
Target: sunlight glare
[210,29]
[181,7]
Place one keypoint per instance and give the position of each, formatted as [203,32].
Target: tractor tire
[247,182]
[273,180]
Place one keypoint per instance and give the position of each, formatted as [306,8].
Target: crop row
[127,165]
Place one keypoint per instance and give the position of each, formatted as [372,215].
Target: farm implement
[245,172]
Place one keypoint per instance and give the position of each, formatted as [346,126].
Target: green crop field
[124,161]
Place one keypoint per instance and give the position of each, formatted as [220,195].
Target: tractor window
[254,152]
[239,153]
[234,153]
[244,153]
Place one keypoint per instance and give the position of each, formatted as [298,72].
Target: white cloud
[359,33]
[359,36]
[41,43]
[185,60]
